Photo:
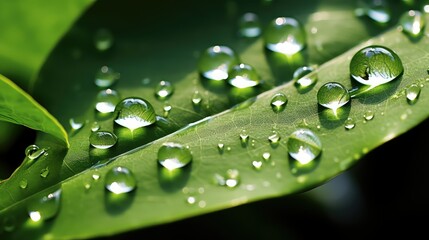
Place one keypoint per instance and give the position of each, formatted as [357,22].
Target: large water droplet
[285,35]
[120,180]
[412,23]
[134,113]
[106,77]
[45,207]
[278,102]
[375,65]
[107,100]
[102,139]
[412,93]
[215,62]
[249,25]
[304,145]
[33,152]
[103,39]
[164,90]
[243,76]
[174,155]
[333,95]
[304,79]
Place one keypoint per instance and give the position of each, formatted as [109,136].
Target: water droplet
[102,139]
[191,200]
[164,90]
[106,100]
[378,11]
[167,108]
[274,138]
[249,25]
[9,223]
[243,76]
[44,172]
[95,176]
[232,178]
[304,146]
[257,164]
[278,102]
[95,126]
[23,183]
[219,179]
[412,23]
[284,35]
[76,124]
[134,113]
[220,147]
[45,207]
[106,77]
[349,124]
[103,39]
[216,61]
[304,79]
[244,138]
[266,156]
[174,155]
[368,115]
[197,98]
[333,95]
[120,180]
[412,93]
[375,65]
[87,186]
[33,152]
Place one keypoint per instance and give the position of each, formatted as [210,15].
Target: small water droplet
[257,164]
[197,98]
[45,207]
[244,138]
[44,172]
[76,124]
[220,147]
[284,35]
[232,178]
[274,138]
[102,139]
[164,90]
[304,79]
[278,102]
[95,126]
[304,146]
[103,39]
[95,176]
[87,186]
[120,180]
[375,65]
[249,25]
[333,95]
[106,100]
[243,76]
[134,113]
[368,115]
[266,156]
[412,93]
[202,204]
[191,200]
[349,124]
[167,108]
[173,156]
[23,183]
[219,179]
[412,23]
[216,61]
[106,77]
[9,223]
[379,11]
[33,152]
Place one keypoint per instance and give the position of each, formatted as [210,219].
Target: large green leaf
[16,106]
[29,33]
[161,196]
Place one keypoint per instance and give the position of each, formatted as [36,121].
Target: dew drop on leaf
[216,61]
[23,183]
[164,90]
[134,113]
[333,95]
[304,145]
[44,207]
[106,100]
[412,23]
[284,35]
[304,78]
[102,139]
[249,25]
[412,93]
[106,77]
[103,39]
[44,172]
[243,76]
[368,115]
[174,156]
[349,124]
[278,102]
[120,180]
[197,98]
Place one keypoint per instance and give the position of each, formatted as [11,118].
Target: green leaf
[16,106]
[29,33]
[163,196]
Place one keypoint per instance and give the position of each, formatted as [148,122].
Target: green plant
[160,41]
